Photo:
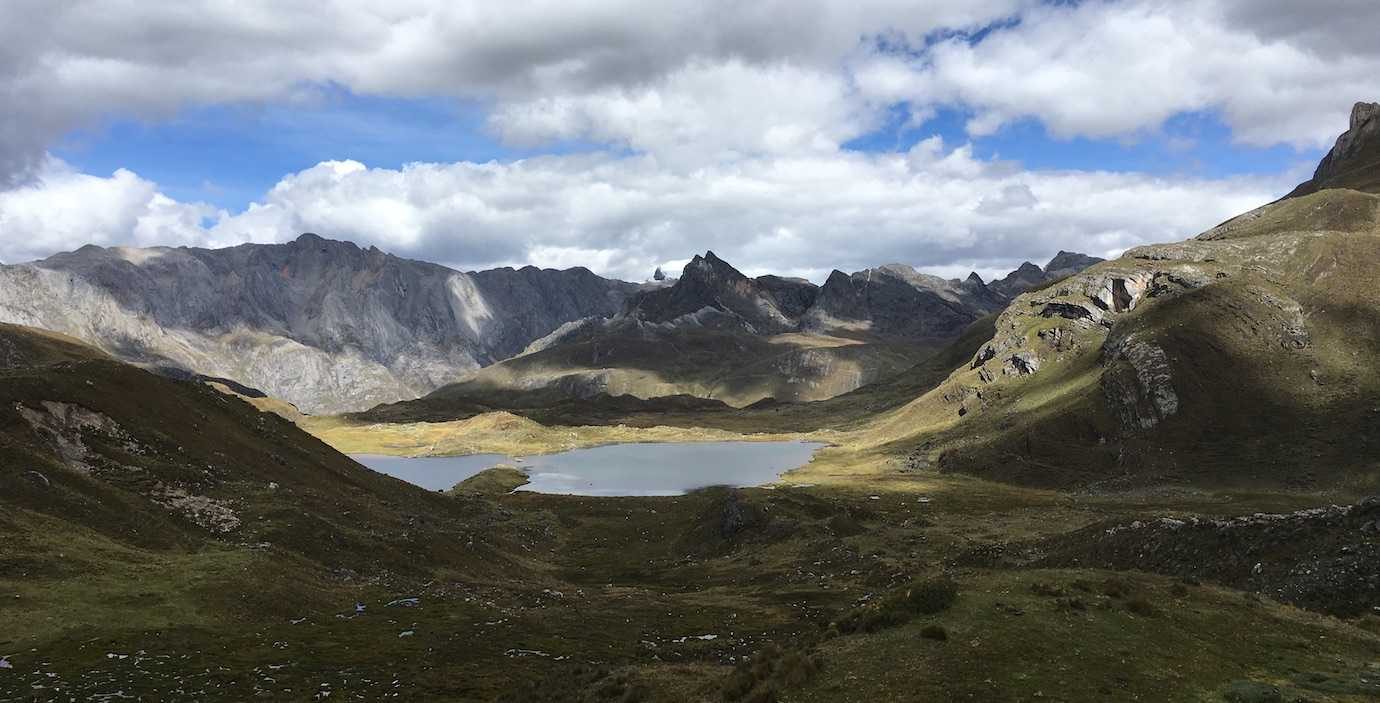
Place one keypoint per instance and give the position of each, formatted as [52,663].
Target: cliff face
[321,323]
[1354,161]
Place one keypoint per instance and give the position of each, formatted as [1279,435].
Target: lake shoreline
[615,469]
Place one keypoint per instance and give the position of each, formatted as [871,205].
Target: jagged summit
[1029,275]
[767,304]
[1354,161]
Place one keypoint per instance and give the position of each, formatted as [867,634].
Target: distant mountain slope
[899,303]
[716,333]
[1244,357]
[765,305]
[1031,276]
[321,323]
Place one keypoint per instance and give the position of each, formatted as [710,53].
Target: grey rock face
[1138,384]
[1354,161]
[321,323]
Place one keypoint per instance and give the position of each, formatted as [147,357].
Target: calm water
[639,469]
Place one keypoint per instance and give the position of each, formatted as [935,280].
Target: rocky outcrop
[1321,558]
[1138,383]
[323,324]
[1354,161]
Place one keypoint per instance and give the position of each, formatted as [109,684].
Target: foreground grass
[665,599]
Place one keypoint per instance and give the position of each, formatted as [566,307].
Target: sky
[789,136]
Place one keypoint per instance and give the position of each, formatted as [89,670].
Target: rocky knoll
[321,323]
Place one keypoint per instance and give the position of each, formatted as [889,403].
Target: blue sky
[229,156]
[1196,144]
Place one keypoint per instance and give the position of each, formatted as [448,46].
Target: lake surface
[634,469]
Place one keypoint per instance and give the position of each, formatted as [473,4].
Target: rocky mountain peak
[767,304]
[1354,161]
[1066,263]
[711,266]
[1029,276]
[1363,113]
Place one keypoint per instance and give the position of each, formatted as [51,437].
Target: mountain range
[331,327]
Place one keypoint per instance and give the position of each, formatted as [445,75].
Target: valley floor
[791,594]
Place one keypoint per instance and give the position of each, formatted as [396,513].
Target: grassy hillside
[846,411]
[1243,357]
[736,368]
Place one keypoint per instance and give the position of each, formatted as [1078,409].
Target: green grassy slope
[736,368]
[1243,357]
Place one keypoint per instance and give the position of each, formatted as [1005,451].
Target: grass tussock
[762,678]
[921,597]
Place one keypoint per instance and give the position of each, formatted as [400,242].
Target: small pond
[635,469]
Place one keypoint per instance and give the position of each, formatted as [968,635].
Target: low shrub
[931,596]
[1140,606]
[1073,603]
[921,597]
[1115,588]
[935,631]
[760,679]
